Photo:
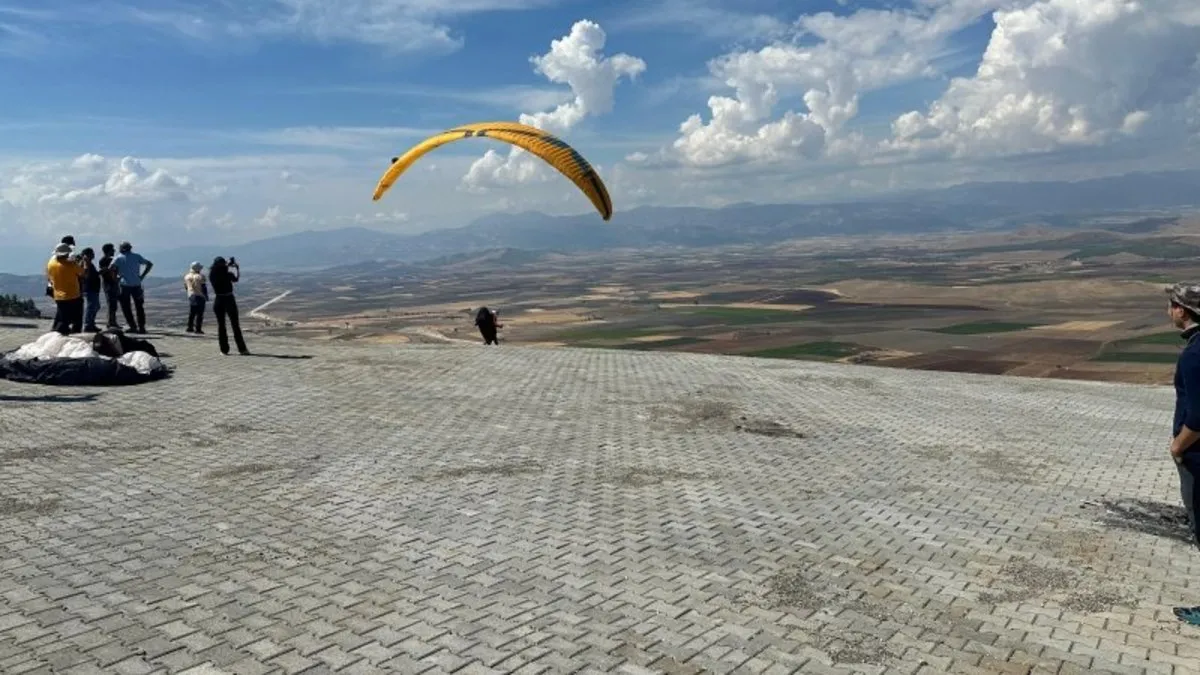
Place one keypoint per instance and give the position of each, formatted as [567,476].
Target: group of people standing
[76,282]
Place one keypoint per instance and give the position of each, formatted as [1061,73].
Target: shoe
[244,352]
[91,329]
[1187,614]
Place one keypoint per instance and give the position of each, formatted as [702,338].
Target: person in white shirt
[196,287]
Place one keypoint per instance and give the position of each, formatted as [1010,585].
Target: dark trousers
[224,306]
[134,295]
[196,305]
[68,316]
[112,298]
[489,335]
[91,309]
[1189,468]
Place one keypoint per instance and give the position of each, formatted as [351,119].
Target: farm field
[1047,303]
[1073,303]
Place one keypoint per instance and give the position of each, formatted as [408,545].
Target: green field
[740,316]
[1158,248]
[610,333]
[823,350]
[1167,338]
[982,327]
[1136,357]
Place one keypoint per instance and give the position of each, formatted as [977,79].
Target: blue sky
[185,121]
[140,81]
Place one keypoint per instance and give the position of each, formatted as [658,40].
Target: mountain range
[983,206]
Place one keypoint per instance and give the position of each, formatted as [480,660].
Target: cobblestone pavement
[459,509]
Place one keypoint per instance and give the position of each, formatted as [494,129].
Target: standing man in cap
[129,270]
[196,287]
[1183,306]
[65,274]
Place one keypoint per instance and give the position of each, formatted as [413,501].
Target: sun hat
[1185,294]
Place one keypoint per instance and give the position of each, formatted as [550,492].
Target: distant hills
[967,206]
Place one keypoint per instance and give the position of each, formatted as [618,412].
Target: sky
[181,122]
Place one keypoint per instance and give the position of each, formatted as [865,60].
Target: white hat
[196,267]
[62,249]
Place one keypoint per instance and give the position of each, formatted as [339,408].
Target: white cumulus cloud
[95,194]
[1055,74]
[92,178]
[1061,73]
[840,59]
[577,61]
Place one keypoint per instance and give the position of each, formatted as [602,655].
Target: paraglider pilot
[488,321]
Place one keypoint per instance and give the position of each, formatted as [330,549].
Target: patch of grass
[1012,280]
[983,327]
[506,469]
[1167,338]
[740,316]
[1136,357]
[653,476]
[242,470]
[1127,351]
[656,344]
[822,350]
[608,333]
[1160,248]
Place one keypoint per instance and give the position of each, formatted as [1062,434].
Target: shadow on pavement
[291,357]
[15,324]
[50,398]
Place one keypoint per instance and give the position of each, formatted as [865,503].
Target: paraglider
[547,147]
[488,321]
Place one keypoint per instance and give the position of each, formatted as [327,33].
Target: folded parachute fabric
[61,360]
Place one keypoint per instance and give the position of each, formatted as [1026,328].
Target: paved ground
[458,509]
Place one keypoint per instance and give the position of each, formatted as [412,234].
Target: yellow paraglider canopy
[550,149]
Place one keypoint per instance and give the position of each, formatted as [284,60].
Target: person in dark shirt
[487,322]
[91,290]
[108,280]
[1183,306]
[222,279]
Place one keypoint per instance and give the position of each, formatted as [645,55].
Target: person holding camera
[222,276]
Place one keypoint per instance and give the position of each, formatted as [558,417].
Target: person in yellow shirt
[65,276]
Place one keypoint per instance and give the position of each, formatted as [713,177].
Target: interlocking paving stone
[437,509]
